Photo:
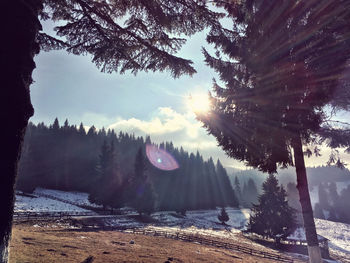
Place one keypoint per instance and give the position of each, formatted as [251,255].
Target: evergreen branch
[48,42]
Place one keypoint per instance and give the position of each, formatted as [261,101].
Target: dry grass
[56,244]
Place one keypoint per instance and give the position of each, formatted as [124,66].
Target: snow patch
[78,198]
[42,204]
[338,235]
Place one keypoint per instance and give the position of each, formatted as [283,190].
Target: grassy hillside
[54,244]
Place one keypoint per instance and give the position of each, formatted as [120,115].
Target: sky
[71,87]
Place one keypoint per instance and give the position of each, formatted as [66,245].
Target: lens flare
[161,158]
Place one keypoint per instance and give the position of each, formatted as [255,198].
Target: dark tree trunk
[19,26]
[308,217]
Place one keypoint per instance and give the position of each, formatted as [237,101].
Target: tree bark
[306,207]
[19,27]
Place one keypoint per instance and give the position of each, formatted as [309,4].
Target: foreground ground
[52,243]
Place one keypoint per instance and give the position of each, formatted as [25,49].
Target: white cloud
[166,121]
[209,144]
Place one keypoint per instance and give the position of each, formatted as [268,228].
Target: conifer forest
[111,167]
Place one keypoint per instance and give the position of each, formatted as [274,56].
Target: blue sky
[69,86]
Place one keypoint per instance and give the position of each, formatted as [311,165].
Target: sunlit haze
[199,103]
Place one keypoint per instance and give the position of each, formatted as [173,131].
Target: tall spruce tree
[82,131]
[148,40]
[272,217]
[343,205]
[107,190]
[238,190]
[280,64]
[228,193]
[333,193]
[318,211]
[143,192]
[223,216]
[323,199]
[293,200]
[249,193]
[28,182]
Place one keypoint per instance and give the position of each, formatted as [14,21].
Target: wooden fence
[46,216]
[205,240]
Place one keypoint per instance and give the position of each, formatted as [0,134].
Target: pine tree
[249,193]
[96,196]
[332,215]
[343,205]
[229,195]
[280,65]
[333,193]
[323,197]
[108,189]
[272,217]
[66,125]
[238,190]
[55,126]
[92,131]
[293,196]
[223,216]
[146,199]
[293,200]
[252,191]
[318,212]
[140,165]
[26,181]
[143,192]
[244,193]
[81,131]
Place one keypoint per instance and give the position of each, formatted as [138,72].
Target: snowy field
[75,197]
[199,222]
[202,222]
[205,222]
[42,204]
[338,235]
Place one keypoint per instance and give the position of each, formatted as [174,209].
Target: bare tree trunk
[302,185]
[19,26]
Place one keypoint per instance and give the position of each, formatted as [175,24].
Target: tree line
[248,194]
[115,172]
[332,205]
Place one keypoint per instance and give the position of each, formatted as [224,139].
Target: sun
[199,103]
